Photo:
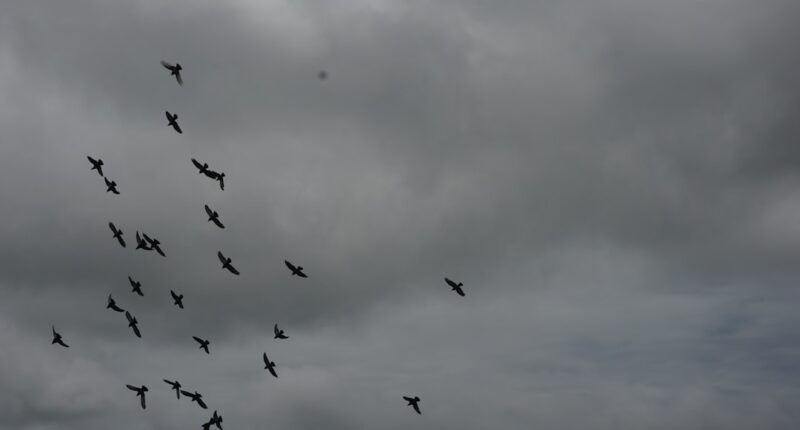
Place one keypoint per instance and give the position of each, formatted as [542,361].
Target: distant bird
[154,244]
[175,386]
[215,420]
[177,298]
[139,392]
[203,343]
[141,243]
[413,402]
[174,70]
[96,165]
[111,186]
[203,168]
[322,75]
[226,263]
[455,287]
[279,333]
[117,234]
[221,179]
[196,397]
[213,216]
[173,122]
[57,339]
[132,324]
[136,285]
[269,365]
[296,270]
[112,304]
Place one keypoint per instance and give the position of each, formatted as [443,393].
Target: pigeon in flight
[215,420]
[117,234]
[174,70]
[296,270]
[154,244]
[203,343]
[96,165]
[269,365]
[111,186]
[112,304]
[177,298]
[413,402]
[173,122]
[196,397]
[141,243]
[203,168]
[139,392]
[136,285]
[175,386]
[132,324]
[57,339]
[226,263]
[213,216]
[279,333]
[455,287]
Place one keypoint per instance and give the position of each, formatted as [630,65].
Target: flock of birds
[148,243]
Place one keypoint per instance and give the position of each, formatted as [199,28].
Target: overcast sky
[616,183]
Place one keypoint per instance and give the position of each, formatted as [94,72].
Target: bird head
[178,66]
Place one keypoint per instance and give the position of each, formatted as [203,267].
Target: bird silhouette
[57,339]
[196,397]
[221,179]
[139,392]
[154,244]
[112,304]
[226,263]
[203,343]
[213,216]
[117,234]
[141,243]
[173,122]
[174,70]
[136,286]
[96,165]
[177,298]
[296,270]
[279,333]
[203,168]
[111,186]
[413,402]
[132,323]
[175,386]
[455,287]
[215,420]
[269,365]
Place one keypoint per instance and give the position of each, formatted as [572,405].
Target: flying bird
[177,298]
[154,244]
[175,386]
[221,179]
[139,392]
[296,270]
[111,186]
[413,402]
[196,397]
[203,168]
[174,70]
[226,263]
[112,304]
[96,165]
[269,365]
[215,420]
[141,243]
[132,324]
[213,216]
[57,339]
[117,234]
[455,287]
[173,122]
[279,333]
[203,343]
[136,285]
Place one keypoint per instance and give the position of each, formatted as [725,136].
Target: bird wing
[209,211]
[450,283]
[142,397]
[136,331]
[179,78]
[177,128]
[460,291]
[174,296]
[201,403]
[197,164]
[221,257]
[233,269]
[266,360]
[272,371]
[416,408]
[129,317]
[302,275]
[108,183]
[112,227]
[132,388]
[289,265]
[166,65]
[121,241]
[169,116]
[188,394]
[217,222]
[200,341]
[275,329]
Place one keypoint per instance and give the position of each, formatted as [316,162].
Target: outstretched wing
[233,269]
[201,403]
[459,291]
[450,283]
[136,331]
[289,265]
[174,296]
[222,257]
[142,397]
[217,222]
[274,329]
[197,164]
[200,341]
[266,360]
[179,78]
[187,394]
[132,388]
[272,371]
[129,317]
[416,408]
[167,65]
[177,128]
[209,211]
[112,227]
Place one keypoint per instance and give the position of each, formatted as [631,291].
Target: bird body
[136,286]
[195,397]
[154,244]
[141,243]
[175,386]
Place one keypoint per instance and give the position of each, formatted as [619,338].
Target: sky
[615,182]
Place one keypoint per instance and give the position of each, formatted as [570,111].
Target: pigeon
[173,122]
[203,343]
[455,287]
[175,386]
[141,243]
[154,244]
[117,234]
[196,397]
[111,186]
[174,70]
[226,263]
[269,365]
[413,402]
[137,286]
[213,216]
[132,324]
[215,420]
[296,270]
[57,339]
[203,168]
[279,333]
[177,298]
[112,304]
[96,165]
[139,392]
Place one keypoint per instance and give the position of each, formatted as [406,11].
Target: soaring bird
[175,386]
[196,397]
[203,343]
[112,304]
[174,70]
[269,365]
[413,402]
[154,244]
[96,165]
[132,324]
[203,168]
[226,263]
[296,270]
[173,122]
[213,216]
[136,285]
[215,420]
[279,333]
[57,339]
[178,299]
[141,243]
[117,234]
[111,186]
[455,287]
[139,392]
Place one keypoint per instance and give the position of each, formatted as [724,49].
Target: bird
[173,122]
[139,392]
[221,179]
[136,285]
[203,168]
[111,186]
[296,270]
[279,333]
[196,397]
[132,324]
[213,216]
[269,365]
[141,243]
[112,304]
[117,234]
[96,165]
[455,287]
[175,386]
[215,420]
[174,70]
[177,298]
[57,339]
[413,402]
[154,244]
[203,343]
[226,263]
